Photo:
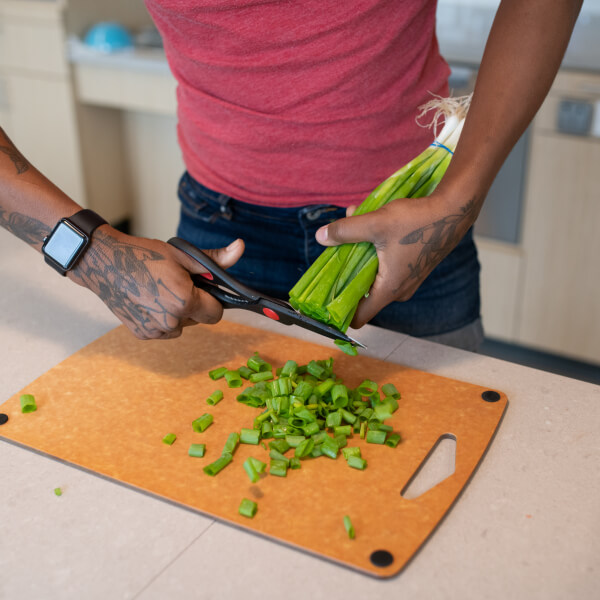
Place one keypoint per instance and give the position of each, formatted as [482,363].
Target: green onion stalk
[341,276]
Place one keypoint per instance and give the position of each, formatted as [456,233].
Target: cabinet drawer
[32,45]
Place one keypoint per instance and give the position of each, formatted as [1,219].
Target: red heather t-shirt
[290,102]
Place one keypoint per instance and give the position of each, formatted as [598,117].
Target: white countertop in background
[526,527]
[462,29]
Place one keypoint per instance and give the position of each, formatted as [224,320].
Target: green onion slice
[218,373]
[28,404]
[348,347]
[218,465]
[349,527]
[248,508]
[169,439]
[215,397]
[202,423]
[197,450]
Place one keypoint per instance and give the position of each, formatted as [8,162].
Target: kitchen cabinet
[560,289]
[37,107]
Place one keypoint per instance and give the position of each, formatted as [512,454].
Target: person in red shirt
[289,114]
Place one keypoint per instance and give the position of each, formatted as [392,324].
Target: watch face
[64,244]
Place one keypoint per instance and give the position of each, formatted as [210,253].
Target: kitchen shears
[231,293]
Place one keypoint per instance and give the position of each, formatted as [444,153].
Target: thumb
[224,257]
[228,256]
[349,230]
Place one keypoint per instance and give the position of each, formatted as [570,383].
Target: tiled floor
[540,360]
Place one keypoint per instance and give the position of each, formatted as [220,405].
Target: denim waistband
[220,205]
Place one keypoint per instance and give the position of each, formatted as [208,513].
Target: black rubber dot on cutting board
[490,396]
[382,558]
[3,418]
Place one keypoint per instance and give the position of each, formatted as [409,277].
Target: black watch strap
[87,221]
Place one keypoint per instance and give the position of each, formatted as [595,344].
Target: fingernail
[232,245]
[322,234]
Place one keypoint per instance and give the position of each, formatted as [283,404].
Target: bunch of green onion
[334,284]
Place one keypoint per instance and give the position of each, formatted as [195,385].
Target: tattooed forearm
[120,276]
[18,159]
[28,229]
[438,239]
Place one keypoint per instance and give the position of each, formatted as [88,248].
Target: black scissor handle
[215,272]
[248,299]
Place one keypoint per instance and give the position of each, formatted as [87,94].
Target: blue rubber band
[438,145]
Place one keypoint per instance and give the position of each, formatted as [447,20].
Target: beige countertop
[526,526]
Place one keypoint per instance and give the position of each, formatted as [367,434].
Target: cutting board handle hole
[382,558]
[438,465]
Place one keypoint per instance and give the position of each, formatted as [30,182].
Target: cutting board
[107,407]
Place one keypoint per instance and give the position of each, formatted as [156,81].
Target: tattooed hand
[411,236]
[146,283]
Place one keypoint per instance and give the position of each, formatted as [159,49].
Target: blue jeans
[281,245]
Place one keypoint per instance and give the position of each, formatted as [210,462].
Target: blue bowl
[108,37]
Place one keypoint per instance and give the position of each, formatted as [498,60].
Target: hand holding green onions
[393,240]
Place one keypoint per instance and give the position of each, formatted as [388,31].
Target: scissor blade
[288,315]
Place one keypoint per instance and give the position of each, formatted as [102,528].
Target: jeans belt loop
[225,211]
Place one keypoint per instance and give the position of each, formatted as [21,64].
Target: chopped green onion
[279,445]
[248,508]
[356,462]
[341,441]
[218,465]
[393,440]
[330,448]
[249,436]
[218,373]
[266,430]
[28,404]
[342,430]
[202,423]
[382,412]
[251,470]
[294,440]
[389,389]
[334,419]
[231,444]
[363,430]
[278,468]
[349,527]
[304,448]
[348,416]
[233,379]
[348,347]
[351,451]
[261,376]
[289,369]
[257,364]
[57,491]
[295,463]
[376,437]
[259,465]
[275,455]
[169,439]
[197,450]
[367,388]
[245,372]
[215,397]
[317,370]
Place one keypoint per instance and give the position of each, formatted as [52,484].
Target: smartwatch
[69,240]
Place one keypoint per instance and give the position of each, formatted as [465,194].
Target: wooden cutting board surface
[107,407]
